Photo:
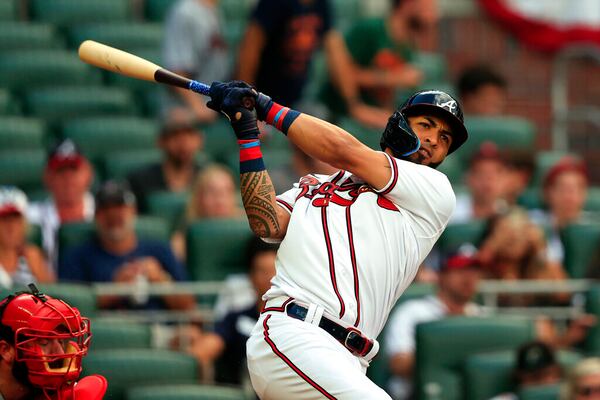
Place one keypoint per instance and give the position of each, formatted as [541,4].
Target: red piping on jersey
[331,261]
[280,308]
[290,364]
[286,205]
[354,266]
[394,176]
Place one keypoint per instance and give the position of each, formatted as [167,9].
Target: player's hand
[236,100]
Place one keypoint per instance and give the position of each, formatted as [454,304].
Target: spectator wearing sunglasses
[583,382]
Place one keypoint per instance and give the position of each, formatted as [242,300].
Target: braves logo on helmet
[449,105]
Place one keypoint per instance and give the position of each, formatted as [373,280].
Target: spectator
[486,180]
[21,263]
[457,284]
[214,195]
[535,365]
[565,192]
[180,141]
[194,47]
[583,381]
[117,255]
[381,51]
[520,167]
[228,342]
[68,177]
[482,91]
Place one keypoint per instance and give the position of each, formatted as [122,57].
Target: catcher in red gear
[42,343]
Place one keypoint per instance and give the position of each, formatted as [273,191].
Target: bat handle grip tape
[199,87]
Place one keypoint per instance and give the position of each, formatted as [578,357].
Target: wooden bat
[121,62]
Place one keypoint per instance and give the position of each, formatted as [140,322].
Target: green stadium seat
[8,106]
[490,374]
[31,69]
[109,334]
[28,35]
[592,306]
[76,295]
[275,158]
[581,242]
[119,164]
[443,346]
[453,169]
[186,392]
[168,205]
[216,248]
[219,143]
[127,368]
[149,97]
[593,199]
[369,136]
[22,168]
[8,10]
[66,12]
[157,10]
[74,234]
[63,103]
[100,136]
[506,132]
[541,392]
[34,234]
[457,234]
[235,10]
[122,35]
[345,13]
[433,66]
[21,133]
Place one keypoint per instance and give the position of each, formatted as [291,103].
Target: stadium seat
[369,136]
[119,164]
[457,234]
[490,374]
[157,10]
[274,158]
[185,392]
[73,234]
[109,334]
[127,368]
[100,136]
[8,106]
[592,306]
[216,248]
[581,242]
[21,133]
[453,169]
[542,392]
[24,70]
[63,103]
[593,199]
[122,35]
[506,132]
[433,66]
[345,12]
[66,12]
[8,10]
[22,168]
[168,205]
[219,141]
[149,97]
[28,35]
[34,234]
[235,10]
[443,346]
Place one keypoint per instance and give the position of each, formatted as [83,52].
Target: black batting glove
[236,100]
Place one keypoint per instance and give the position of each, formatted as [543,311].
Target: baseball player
[350,243]
[42,342]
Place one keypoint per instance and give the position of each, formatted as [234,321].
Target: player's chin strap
[91,387]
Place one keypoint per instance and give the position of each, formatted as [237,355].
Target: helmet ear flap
[399,136]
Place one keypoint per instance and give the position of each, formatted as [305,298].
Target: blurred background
[121,196]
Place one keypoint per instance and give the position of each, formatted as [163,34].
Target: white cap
[12,200]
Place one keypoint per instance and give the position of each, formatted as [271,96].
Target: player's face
[436,139]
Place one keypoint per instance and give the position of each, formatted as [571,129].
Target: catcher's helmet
[50,337]
[398,135]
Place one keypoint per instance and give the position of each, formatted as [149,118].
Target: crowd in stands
[522,208]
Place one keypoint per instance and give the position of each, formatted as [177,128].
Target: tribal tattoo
[258,196]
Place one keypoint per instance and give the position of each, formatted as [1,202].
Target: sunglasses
[588,390]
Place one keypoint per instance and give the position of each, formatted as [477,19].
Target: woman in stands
[20,263]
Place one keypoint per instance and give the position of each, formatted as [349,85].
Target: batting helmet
[50,337]
[398,135]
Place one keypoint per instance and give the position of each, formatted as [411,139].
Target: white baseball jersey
[353,249]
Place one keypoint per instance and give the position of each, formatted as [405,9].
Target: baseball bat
[121,62]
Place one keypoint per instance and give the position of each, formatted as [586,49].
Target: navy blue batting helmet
[398,135]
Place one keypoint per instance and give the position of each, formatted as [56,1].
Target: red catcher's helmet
[50,337]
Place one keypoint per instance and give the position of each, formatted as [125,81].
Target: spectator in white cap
[68,177]
[21,263]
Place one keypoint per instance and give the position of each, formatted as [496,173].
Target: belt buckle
[354,336]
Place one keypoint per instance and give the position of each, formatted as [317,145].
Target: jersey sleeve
[422,191]
[287,200]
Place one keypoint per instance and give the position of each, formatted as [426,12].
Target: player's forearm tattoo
[258,196]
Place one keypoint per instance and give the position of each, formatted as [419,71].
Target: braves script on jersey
[353,249]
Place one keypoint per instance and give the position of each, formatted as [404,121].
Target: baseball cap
[113,193]
[565,164]
[12,201]
[65,154]
[174,125]
[534,356]
[464,257]
[487,151]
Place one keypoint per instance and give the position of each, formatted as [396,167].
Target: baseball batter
[350,243]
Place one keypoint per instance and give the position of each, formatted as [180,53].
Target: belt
[350,338]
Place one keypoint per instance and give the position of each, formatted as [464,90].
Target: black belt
[352,339]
